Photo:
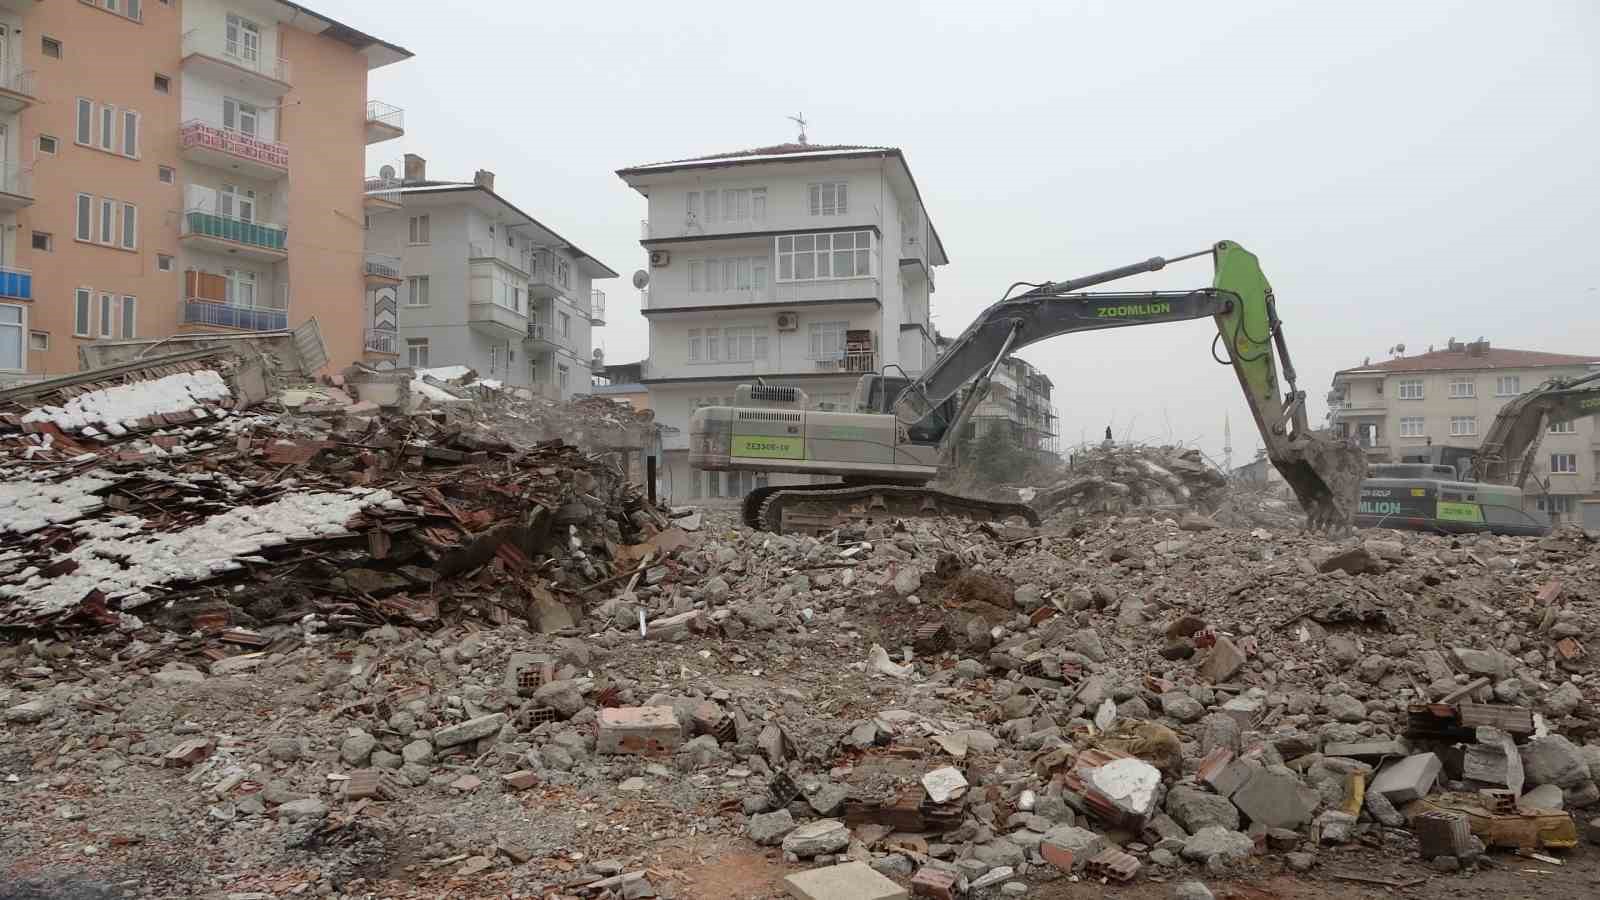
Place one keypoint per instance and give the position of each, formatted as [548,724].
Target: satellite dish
[386,173]
[1400,347]
[641,279]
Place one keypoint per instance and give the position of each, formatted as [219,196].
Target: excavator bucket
[1325,472]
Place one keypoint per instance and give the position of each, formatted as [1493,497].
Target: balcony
[382,270]
[16,283]
[208,51]
[551,276]
[597,308]
[496,321]
[16,188]
[381,194]
[383,341]
[210,144]
[384,122]
[17,89]
[541,338]
[210,299]
[231,315]
[230,234]
[823,290]
[506,256]
[858,361]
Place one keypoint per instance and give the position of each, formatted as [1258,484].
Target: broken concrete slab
[1276,798]
[846,881]
[638,730]
[1409,779]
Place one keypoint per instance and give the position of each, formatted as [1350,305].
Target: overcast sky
[1407,172]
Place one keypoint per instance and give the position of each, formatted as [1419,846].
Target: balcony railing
[16,283]
[18,80]
[597,307]
[214,43]
[381,340]
[385,116]
[204,223]
[383,190]
[232,315]
[383,266]
[16,182]
[849,361]
[547,270]
[198,133]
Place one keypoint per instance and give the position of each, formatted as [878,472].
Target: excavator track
[819,509]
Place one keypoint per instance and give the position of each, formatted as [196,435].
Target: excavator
[901,430]
[1462,489]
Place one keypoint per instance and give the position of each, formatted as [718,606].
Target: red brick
[1060,857]
[940,884]
[520,781]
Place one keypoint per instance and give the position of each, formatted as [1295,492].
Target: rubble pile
[1127,478]
[940,707]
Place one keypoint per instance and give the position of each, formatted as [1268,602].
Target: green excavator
[902,431]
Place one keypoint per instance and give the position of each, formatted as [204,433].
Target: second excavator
[902,431]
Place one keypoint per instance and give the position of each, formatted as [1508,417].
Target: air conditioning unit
[788,321]
[660,259]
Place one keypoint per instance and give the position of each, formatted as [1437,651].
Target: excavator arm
[1512,441]
[1325,474]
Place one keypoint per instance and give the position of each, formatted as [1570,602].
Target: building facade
[1020,407]
[173,167]
[803,265]
[458,275]
[1450,397]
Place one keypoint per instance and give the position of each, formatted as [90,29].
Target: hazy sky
[1407,172]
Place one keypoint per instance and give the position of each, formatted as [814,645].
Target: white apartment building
[1451,396]
[805,265]
[458,275]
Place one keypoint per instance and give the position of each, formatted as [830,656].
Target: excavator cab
[879,393]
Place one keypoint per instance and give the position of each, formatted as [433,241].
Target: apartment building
[458,275]
[172,167]
[802,264]
[1451,396]
[1019,406]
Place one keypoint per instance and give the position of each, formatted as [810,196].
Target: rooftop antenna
[801,121]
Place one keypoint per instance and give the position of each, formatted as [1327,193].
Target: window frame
[417,349]
[1421,429]
[83,222]
[106,309]
[828,198]
[107,232]
[166,262]
[1568,427]
[83,312]
[46,42]
[817,259]
[130,133]
[419,230]
[1463,426]
[55,144]
[161,83]
[1402,386]
[1500,382]
[167,174]
[23,337]
[44,346]
[566,324]
[108,128]
[1561,469]
[128,316]
[816,334]
[83,129]
[413,283]
[128,226]
[1463,389]
[49,242]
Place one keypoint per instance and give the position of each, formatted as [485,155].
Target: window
[696,345]
[85,226]
[130,226]
[417,290]
[240,116]
[85,128]
[108,127]
[737,204]
[237,202]
[43,242]
[1507,386]
[828,199]
[745,343]
[742,273]
[82,312]
[419,229]
[1463,426]
[242,39]
[494,358]
[844,254]
[240,286]
[126,8]
[38,341]
[163,262]
[106,321]
[561,378]
[47,145]
[11,353]
[691,207]
[1563,464]
[130,134]
[1463,388]
[1564,427]
[163,84]
[108,225]
[1561,504]
[1411,426]
[566,324]
[129,305]
[50,47]
[167,174]
[1411,389]
[417,353]
[827,340]
[563,273]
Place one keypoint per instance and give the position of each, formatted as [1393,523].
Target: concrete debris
[521,670]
